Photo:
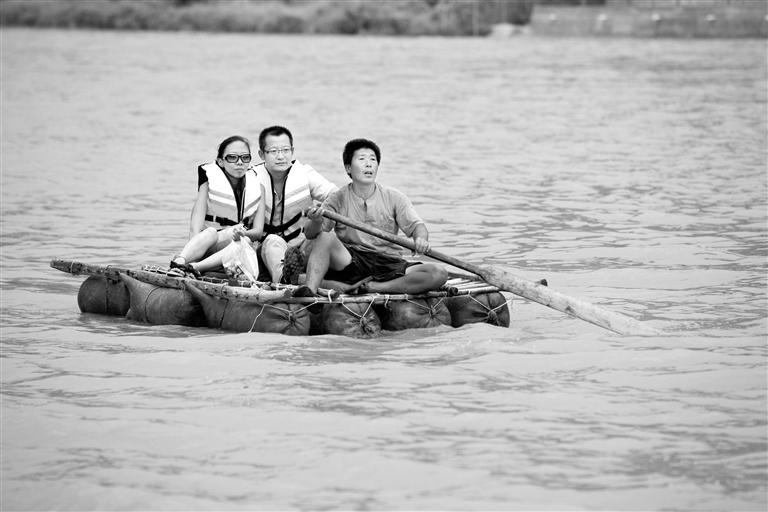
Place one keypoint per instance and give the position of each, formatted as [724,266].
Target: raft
[150,295]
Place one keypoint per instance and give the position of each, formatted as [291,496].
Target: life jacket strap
[276,230]
[285,237]
[293,235]
[221,220]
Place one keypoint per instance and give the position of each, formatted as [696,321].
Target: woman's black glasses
[234,158]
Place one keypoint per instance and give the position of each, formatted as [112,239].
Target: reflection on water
[631,173]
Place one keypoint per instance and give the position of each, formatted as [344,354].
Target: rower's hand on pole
[420,245]
[315,214]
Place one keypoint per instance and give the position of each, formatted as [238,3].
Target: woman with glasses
[229,206]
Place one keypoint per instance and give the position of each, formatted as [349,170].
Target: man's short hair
[354,145]
[274,131]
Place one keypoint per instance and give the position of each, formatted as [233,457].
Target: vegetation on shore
[401,17]
[625,18]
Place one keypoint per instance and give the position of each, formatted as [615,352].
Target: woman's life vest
[222,210]
[301,188]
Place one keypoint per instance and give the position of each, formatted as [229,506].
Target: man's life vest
[301,183]
[222,208]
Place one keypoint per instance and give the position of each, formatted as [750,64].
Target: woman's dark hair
[354,145]
[274,131]
[229,140]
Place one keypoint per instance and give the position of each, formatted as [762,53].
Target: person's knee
[327,246]
[324,244]
[216,236]
[273,240]
[324,240]
[208,236]
[437,274]
[200,245]
[273,245]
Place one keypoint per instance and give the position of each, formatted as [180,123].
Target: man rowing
[343,258]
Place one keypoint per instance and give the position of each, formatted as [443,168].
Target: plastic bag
[240,261]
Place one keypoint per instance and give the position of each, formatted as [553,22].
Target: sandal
[294,263]
[183,270]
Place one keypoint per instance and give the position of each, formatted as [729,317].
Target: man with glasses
[290,188]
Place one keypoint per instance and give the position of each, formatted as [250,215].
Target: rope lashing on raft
[256,318]
[367,309]
[290,313]
[492,312]
[107,272]
[106,291]
[146,301]
[432,309]
[301,308]
[362,320]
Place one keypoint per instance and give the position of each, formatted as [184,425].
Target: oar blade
[575,307]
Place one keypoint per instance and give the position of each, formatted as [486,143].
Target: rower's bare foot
[359,288]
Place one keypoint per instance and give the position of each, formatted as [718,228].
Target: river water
[630,173]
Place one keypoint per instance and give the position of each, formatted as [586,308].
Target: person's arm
[409,222]
[421,238]
[315,224]
[198,211]
[257,220]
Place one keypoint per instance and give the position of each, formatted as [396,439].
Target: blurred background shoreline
[500,18]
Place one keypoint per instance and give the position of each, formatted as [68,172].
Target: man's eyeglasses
[234,158]
[278,151]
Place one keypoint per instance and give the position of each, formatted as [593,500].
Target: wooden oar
[504,280]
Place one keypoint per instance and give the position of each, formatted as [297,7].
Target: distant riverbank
[623,18]
[401,17]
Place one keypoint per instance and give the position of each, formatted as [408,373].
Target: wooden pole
[505,280]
